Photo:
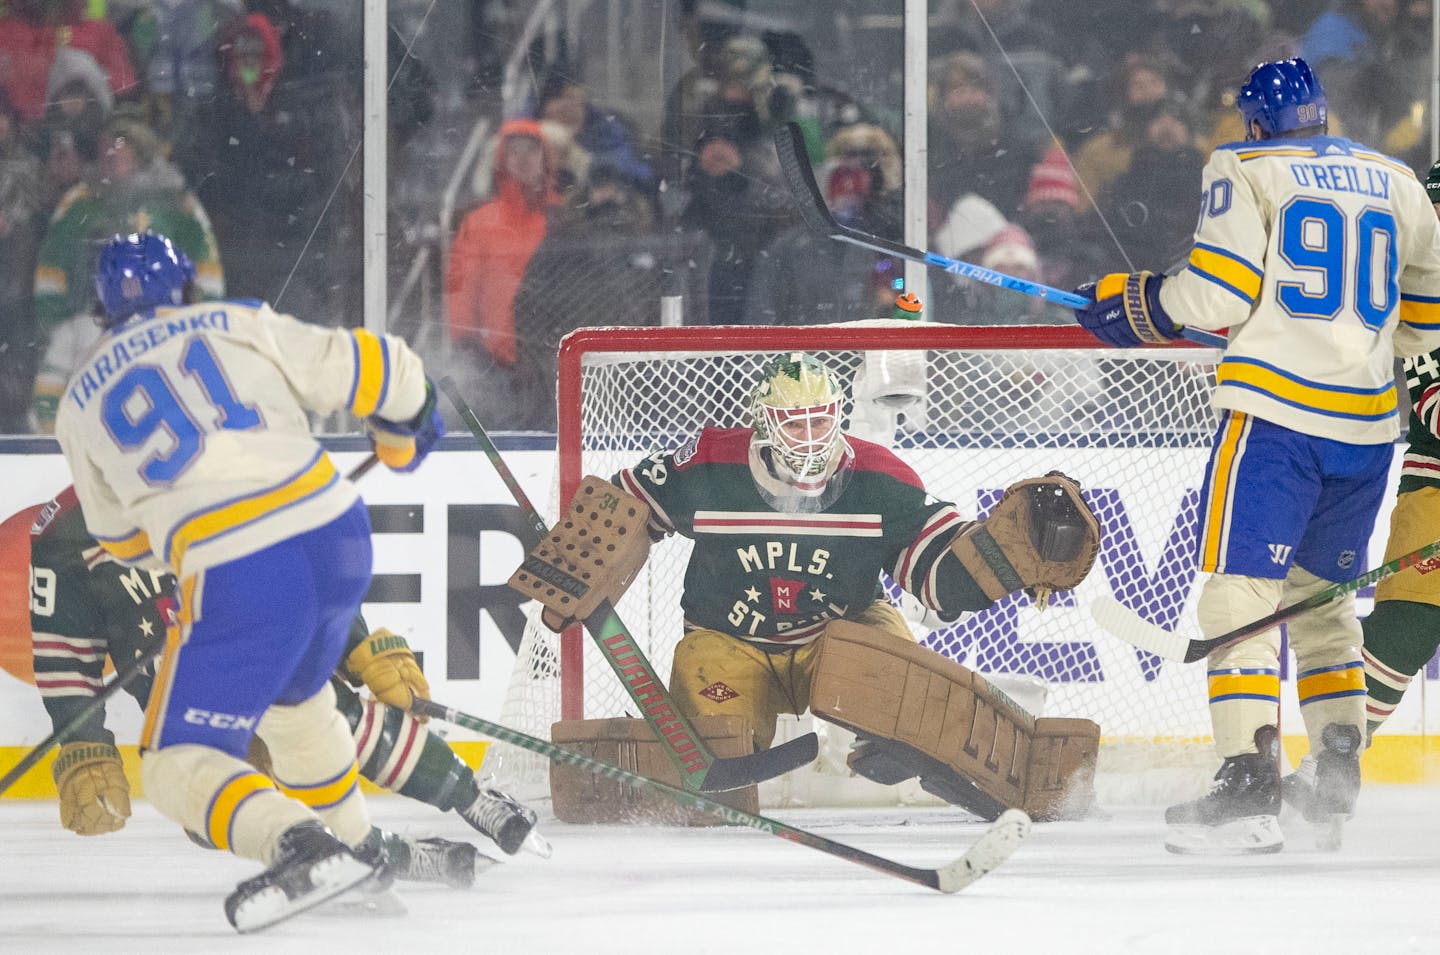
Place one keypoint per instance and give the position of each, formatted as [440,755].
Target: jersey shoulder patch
[63,503]
[717,446]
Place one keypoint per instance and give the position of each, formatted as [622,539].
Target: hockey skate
[311,866]
[438,860]
[1325,785]
[505,820]
[1240,813]
[888,761]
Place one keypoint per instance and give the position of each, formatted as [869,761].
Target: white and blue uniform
[1322,258]
[187,435]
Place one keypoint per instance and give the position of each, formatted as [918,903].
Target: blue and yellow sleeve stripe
[228,516]
[1231,272]
[372,372]
[1334,401]
[129,548]
[1420,311]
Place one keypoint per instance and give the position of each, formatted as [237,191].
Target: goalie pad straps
[879,686]
[592,553]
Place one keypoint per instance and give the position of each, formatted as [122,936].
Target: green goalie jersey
[1421,467]
[85,606]
[775,576]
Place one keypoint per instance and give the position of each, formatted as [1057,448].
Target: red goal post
[971,409]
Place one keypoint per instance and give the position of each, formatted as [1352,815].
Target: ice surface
[1095,886]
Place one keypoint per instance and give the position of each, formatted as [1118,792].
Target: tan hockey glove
[94,794]
[387,665]
[1041,537]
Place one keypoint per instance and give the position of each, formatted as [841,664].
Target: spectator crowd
[1058,134]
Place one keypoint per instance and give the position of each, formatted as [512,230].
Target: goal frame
[758,338]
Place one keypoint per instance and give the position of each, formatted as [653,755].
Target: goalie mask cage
[971,409]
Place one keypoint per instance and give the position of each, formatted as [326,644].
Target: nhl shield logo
[718,692]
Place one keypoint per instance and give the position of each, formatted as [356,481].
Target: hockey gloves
[94,794]
[387,665]
[1126,311]
[402,445]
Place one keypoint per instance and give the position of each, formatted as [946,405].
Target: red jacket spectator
[28,41]
[496,241]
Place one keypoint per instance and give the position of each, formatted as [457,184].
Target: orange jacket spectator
[27,48]
[496,241]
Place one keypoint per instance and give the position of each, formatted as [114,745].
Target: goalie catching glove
[1125,310]
[387,665]
[402,445]
[1041,537]
[94,793]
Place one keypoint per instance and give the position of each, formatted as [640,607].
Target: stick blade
[737,772]
[994,847]
[795,165]
[1120,621]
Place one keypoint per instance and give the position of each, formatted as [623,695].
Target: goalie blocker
[917,713]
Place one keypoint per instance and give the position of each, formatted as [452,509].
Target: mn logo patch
[718,692]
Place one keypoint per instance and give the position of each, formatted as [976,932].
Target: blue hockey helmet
[139,272]
[1282,96]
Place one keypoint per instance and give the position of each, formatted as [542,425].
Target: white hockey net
[979,409]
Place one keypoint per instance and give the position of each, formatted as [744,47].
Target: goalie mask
[796,413]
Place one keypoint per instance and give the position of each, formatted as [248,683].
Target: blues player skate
[1240,813]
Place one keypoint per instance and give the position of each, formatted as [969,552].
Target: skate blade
[1330,833]
[270,906]
[537,844]
[359,903]
[1251,835]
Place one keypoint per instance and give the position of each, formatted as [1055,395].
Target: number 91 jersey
[1322,257]
[187,436]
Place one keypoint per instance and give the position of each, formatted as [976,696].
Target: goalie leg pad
[1041,536]
[889,689]
[580,796]
[591,554]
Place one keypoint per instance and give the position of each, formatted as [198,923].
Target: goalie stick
[699,768]
[1134,629]
[122,679]
[994,846]
[795,164]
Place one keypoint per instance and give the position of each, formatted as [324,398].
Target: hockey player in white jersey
[186,433]
[1321,257]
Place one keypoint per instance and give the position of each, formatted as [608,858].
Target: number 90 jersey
[1322,257]
[187,436]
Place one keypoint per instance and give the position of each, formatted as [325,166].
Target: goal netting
[971,409]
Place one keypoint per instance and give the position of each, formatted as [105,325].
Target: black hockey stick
[1134,629]
[993,847]
[700,769]
[795,164]
[122,679]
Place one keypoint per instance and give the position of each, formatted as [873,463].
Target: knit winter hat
[1052,180]
[1011,251]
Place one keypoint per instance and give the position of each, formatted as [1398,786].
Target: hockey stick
[1134,629]
[700,769]
[122,679]
[993,847]
[795,164]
